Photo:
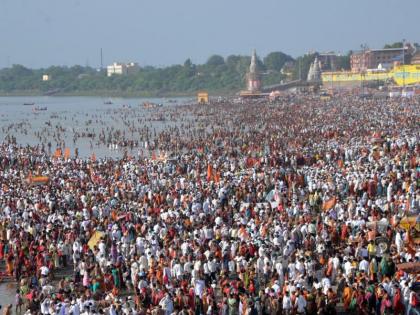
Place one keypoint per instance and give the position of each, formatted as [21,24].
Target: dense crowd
[291,207]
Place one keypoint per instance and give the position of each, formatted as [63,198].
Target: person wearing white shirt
[102,247]
[260,264]
[326,284]
[279,269]
[300,303]
[112,310]
[44,271]
[134,272]
[167,304]
[276,287]
[199,287]
[348,268]
[212,265]
[364,266]
[300,267]
[177,270]
[287,304]
[45,306]
[74,308]
[399,242]
[405,290]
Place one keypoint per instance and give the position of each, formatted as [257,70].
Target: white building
[46,77]
[122,68]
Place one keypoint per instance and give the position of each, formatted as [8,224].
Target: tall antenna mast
[102,64]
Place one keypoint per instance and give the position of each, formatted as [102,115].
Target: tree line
[217,75]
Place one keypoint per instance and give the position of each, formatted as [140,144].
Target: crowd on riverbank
[291,207]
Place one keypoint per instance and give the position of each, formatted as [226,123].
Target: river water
[75,115]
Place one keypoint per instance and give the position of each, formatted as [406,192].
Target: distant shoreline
[110,94]
[95,94]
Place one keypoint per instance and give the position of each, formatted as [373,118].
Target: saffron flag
[217,177]
[209,172]
[29,177]
[57,153]
[38,180]
[329,204]
[66,153]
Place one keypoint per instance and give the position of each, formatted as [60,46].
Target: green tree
[394,45]
[302,65]
[343,62]
[215,60]
[276,60]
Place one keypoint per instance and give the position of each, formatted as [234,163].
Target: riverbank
[111,94]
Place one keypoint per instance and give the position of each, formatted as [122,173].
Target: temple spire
[253,66]
[254,80]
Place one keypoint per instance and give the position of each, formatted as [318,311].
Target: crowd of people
[300,206]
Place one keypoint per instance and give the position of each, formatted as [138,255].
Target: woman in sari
[9,263]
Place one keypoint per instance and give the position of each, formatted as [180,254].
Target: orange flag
[329,204]
[57,153]
[66,153]
[30,177]
[39,180]
[217,177]
[209,172]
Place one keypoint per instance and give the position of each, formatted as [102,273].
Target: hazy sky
[40,33]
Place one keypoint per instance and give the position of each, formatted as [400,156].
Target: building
[202,97]
[379,58]
[415,59]
[253,81]
[359,62]
[401,75]
[328,61]
[288,68]
[46,77]
[253,76]
[122,68]
[314,73]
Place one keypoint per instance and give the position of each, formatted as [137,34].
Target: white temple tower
[253,76]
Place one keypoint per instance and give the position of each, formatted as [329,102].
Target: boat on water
[158,117]
[28,104]
[151,105]
[108,103]
[40,108]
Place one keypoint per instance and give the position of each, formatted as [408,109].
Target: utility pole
[300,70]
[332,78]
[403,63]
[102,61]
[363,68]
